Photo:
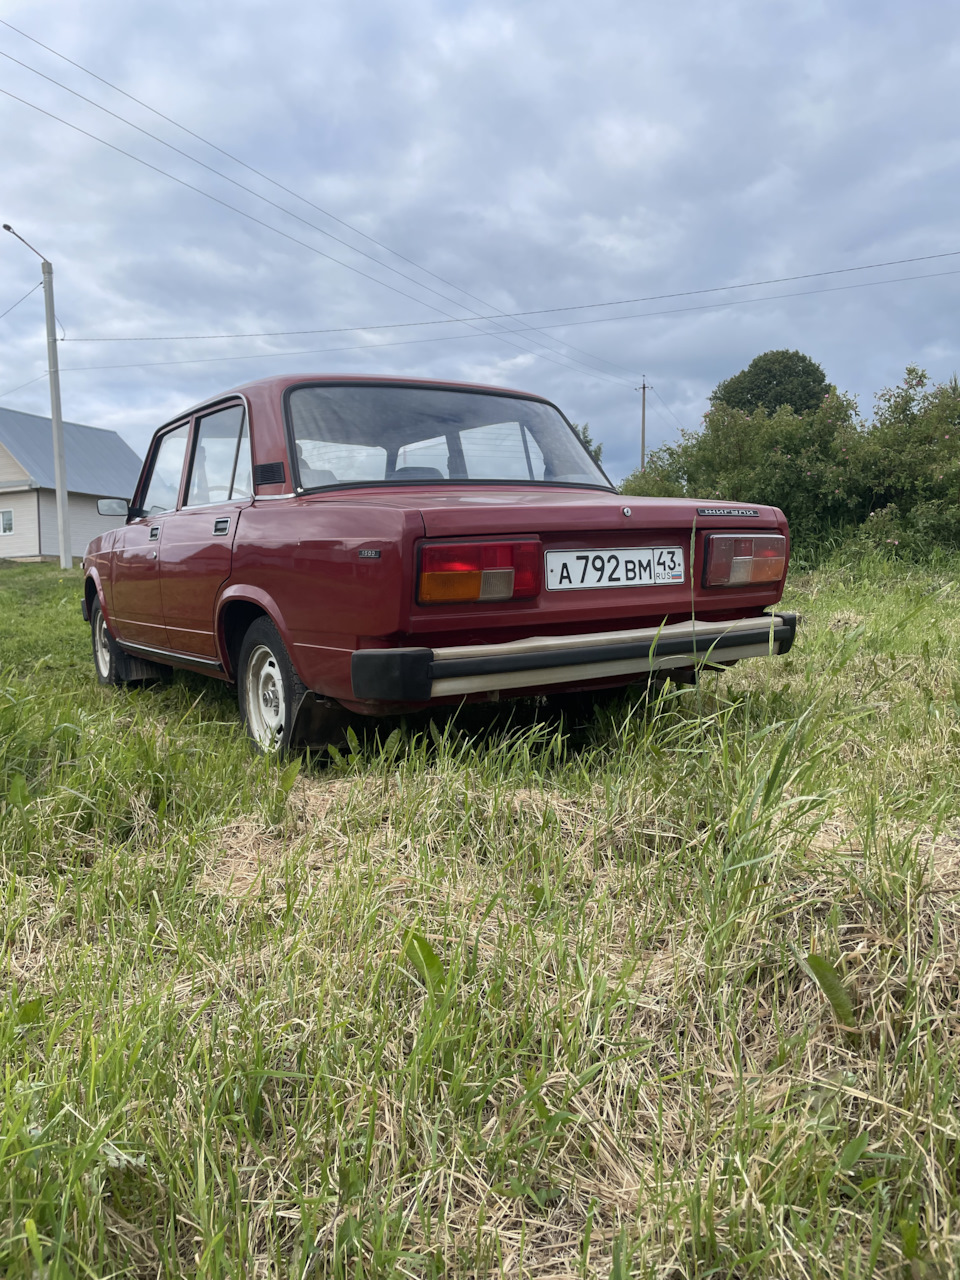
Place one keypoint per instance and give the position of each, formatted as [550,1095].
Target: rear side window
[501,450]
[326,461]
[221,458]
[163,487]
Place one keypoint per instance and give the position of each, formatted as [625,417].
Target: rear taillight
[459,572]
[734,560]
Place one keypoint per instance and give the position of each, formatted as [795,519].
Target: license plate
[621,567]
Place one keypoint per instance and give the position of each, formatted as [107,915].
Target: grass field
[673,993]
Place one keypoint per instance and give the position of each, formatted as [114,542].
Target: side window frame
[196,423]
[138,512]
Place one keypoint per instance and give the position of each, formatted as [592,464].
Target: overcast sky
[530,154]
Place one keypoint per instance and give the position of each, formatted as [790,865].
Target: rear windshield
[422,435]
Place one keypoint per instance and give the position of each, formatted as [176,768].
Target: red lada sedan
[381,545]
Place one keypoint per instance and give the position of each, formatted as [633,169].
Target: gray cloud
[534,154]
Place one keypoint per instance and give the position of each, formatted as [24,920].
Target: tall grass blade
[832,986]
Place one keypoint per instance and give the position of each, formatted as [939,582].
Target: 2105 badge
[620,567]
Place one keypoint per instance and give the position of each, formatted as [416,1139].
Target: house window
[6,522]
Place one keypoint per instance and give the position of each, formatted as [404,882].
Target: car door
[137,609]
[197,544]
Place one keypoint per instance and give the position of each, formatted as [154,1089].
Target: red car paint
[177,588]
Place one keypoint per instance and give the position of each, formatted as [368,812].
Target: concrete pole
[53,369]
[643,426]
[56,415]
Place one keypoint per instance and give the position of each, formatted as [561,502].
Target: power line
[750,284]
[414,324]
[226,177]
[583,306]
[288,191]
[565,362]
[494,317]
[282,209]
[454,337]
[23,299]
[271,355]
[770,297]
[235,159]
[666,406]
[4,394]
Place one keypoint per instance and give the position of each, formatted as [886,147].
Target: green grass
[675,992]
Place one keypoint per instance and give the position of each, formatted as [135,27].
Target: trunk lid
[468,512]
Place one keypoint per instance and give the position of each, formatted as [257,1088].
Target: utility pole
[53,368]
[643,424]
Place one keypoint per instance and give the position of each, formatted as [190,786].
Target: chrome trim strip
[169,655]
[553,644]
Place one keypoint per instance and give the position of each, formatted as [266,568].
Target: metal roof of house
[98,462]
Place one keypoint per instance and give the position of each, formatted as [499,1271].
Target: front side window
[163,488]
[221,459]
[6,521]
[395,435]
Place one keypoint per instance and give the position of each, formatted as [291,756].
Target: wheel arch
[93,590]
[236,611]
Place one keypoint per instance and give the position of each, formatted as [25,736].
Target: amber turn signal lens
[460,572]
[734,560]
[462,584]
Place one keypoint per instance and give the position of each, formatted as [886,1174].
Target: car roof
[280,382]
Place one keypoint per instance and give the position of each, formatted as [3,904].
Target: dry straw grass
[521,1000]
[683,1047]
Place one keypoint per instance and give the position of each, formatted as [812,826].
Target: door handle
[221,525]
[154,532]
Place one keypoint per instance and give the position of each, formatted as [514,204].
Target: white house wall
[11,471]
[25,539]
[85,522]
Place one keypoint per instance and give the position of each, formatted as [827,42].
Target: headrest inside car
[310,478]
[417,473]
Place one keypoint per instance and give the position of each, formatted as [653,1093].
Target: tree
[774,379]
[593,447]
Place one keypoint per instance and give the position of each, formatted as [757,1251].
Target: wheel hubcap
[265,698]
[101,646]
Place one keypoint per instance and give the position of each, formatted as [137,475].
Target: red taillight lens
[737,561]
[465,571]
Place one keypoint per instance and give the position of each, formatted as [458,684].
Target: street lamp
[53,365]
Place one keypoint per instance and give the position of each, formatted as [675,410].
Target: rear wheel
[269,688]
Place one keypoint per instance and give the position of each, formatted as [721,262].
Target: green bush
[774,379]
[894,481]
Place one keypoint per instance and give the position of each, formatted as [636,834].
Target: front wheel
[106,652]
[269,689]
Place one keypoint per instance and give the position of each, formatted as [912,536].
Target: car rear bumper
[418,675]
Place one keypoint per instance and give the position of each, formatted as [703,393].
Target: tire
[107,656]
[269,689]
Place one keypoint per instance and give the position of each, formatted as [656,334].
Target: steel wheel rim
[265,698]
[101,645]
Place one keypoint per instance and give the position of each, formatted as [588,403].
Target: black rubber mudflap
[130,668]
[318,721]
